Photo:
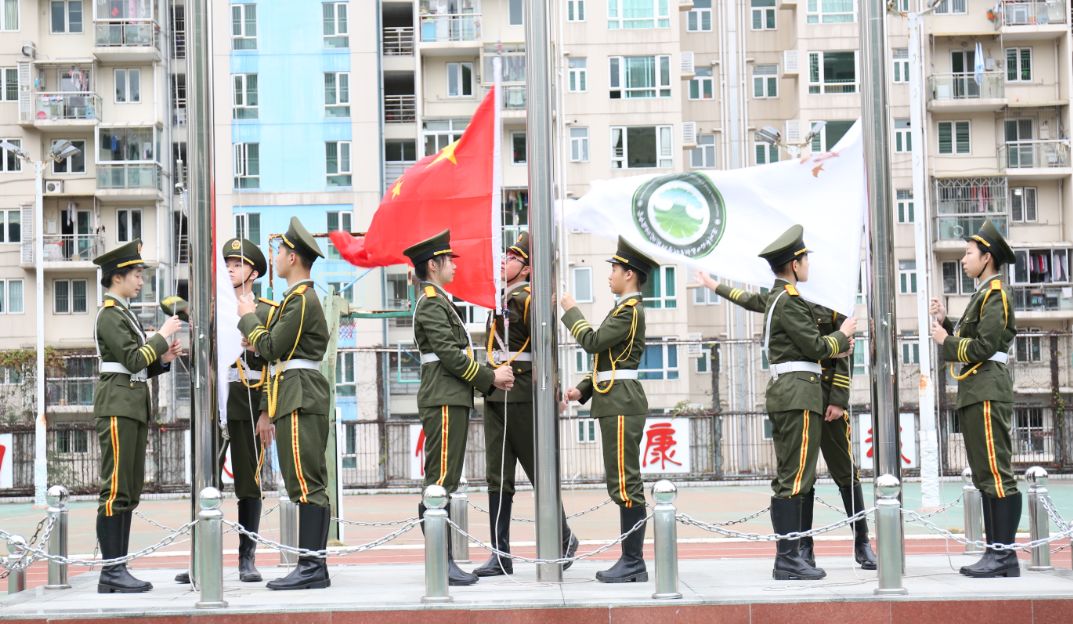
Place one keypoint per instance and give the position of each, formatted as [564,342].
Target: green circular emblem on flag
[681,212]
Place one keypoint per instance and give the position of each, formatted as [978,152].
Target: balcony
[63,111]
[65,251]
[1042,302]
[450,34]
[963,204]
[960,92]
[398,41]
[1038,160]
[129,181]
[955,227]
[1032,19]
[399,109]
[126,40]
[394,169]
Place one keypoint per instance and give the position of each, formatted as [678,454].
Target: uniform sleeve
[796,318]
[993,319]
[614,330]
[276,343]
[585,386]
[754,302]
[948,324]
[435,324]
[124,345]
[840,382]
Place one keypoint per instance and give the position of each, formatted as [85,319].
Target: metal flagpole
[203,228]
[881,295]
[543,236]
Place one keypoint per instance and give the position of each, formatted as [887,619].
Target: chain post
[666,536]
[889,536]
[288,530]
[210,553]
[1039,523]
[459,514]
[972,503]
[435,545]
[57,540]
[16,578]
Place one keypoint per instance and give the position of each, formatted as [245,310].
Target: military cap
[121,257]
[992,242]
[299,240]
[176,306]
[788,246]
[248,252]
[630,258]
[430,248]
[521,247]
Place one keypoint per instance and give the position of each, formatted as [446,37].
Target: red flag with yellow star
[457,189]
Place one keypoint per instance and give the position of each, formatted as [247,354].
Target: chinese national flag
[453,189]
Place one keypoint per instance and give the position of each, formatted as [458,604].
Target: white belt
[251,375]
[617,375]
[428,358]
[295,364]
[794,367]
[1000,357]
[119,369]
[503,356]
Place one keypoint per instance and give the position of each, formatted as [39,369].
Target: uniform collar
[986,282]
[516,285]
[297,284]
[631,294]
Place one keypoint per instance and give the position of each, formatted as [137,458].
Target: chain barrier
[1026,547]
[322,554]
[268,512]
[688,520]
[531,521]
[373,523]
[819,500]
[93,563]
[561,560]
[153,522]
[25,559]
[943,509]
[1056,517]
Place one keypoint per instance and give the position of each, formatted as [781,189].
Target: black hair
[421,269]
[106,278]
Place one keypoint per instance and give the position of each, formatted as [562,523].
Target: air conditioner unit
[53,187]
[689,134]
[29,50]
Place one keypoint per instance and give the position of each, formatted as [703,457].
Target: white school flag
[718,221]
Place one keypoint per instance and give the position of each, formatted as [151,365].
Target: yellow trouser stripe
[992,459]
[622,462]
[802,458]
[295,448]
[444,429]
[114,435]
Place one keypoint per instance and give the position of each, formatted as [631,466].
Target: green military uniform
[979,342]
[620,404]
[794,400]
[122,403]
[294,340]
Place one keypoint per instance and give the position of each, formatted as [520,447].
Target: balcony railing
[128,176]
[398,41]
[1029,13]
[72,247]
[448,28]
[60,106]
[400,108]
[955,227]
[394,169]
[1042,298]
[1035,154]
[963,86]
[514,97]
[127,34]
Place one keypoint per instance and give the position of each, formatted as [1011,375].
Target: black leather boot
[804,545]
[1005,515]
[311,572]
[455,575]
[249,516]
[630,567]
[853,500]
[499,508]
[570,542]
[789,565]
[112,534]
[984,563]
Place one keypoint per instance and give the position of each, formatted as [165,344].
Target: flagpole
[543,244]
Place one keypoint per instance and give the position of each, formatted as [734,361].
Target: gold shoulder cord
[491,338]
[1006,317]
[273,387]
[626,352]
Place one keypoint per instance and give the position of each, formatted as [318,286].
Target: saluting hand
[938,333]
[246,305]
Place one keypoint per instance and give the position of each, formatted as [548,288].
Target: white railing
[1030,13]
[400,108]
[57,106]
[72,247]
[128,34]
[447,28]
[398,41]
[955,227]
[963,86]
[128,176]
[1035,154]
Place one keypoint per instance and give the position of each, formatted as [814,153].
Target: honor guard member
[836,440]
[978,342]
[795,402]
[618,400]
[449,374]
[508,416]
[294,402]
[122,404]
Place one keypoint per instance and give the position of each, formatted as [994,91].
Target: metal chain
[1056,517]
[829,505]
[322,554]
[531,521]
[93,563]
[943,509]
[1027,546]
[25,560]
[771,537]
[561,560]
[153,522]
[371,523]
[269,511]
[743,519]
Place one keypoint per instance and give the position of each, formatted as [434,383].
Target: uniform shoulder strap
[109,303]
[430,292]
[997,285]
[792,290]
[302,288]
[268,302]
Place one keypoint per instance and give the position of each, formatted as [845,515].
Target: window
[11,296]
[954,137]
[903,6]
[659,290]
[335,25]
[706,296]
[247,165]
[641,147]
[699,18]
[128,86]
[860,357]
[660,361]
[703,155]
[459,79]
[903,200]
[582,280]
[517,148]
[579,145]
[907,277]
[245,96]
[1023,204]
[345,377]
[10,226]
[763,14]
[1018,64]
[337,94]
[68,296]
[955,282]
[702,363]
[582,362]
[515,14]
[910,351]
[1029,349]
[400,151]
[830,135]
[72,440]
[701,86]
[248,226]
[438,133]
[337,163]
[10,161]
[578,75]
[640,77]
[66,16]
[765,152]
[243,26]
[339,221]
[636,14]
[1029,435]
[9,16]
[901,64]
[765,81]
[832,72]
[9,84]
[950,7]
[586,430]
[903,139]
[831,12]
[127,144]
[128,224]
[75,163]
[575,10]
